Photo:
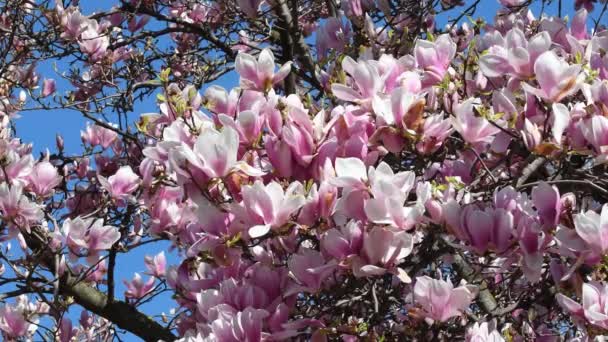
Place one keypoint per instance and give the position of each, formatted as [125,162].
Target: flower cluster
[374,189]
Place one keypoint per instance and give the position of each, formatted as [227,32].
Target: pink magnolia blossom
[556,78]
[89,234]
[439,300]
[233,326]
[531,135]
[334,33]
[351,173]
[248,124]
[434,132]
[291,207]
[166,213]
[269,207]
[18,320]
[366,82]
[245,42]
[122,184]
[238,295]
[215,153]
[72,21]
[136,23]
[352,7]
[344,242]
[382,251]
[484,332]
[204,13]
[560,120]
[298,136]
[596,94]
[19,168]
[213,220]
[434,57]
[259,74]
[557,29]
[594,306]
[474,129]
[351,176]
[97,135]
[513,54]
[384,182]
[43,179]
[402,109]
[156,265]
[48,87]
[319,203]
[398,73]
[92,42]
[390,191]
[593,229]
[16,207]
[532,242]
[489,229]
[547,201]
[578,29]
[596,56]
[67,332]
[136,288]
[594,130]
[310,269]
[219,101]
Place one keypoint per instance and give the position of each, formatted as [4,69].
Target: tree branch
[535,163]
[120,313]
[299,46]
[486,299]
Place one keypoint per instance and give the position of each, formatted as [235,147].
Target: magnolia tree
[384,170]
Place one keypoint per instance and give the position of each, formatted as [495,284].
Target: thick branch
[286,44]
[120,313]
[486,299]
[299,47]
[533,164]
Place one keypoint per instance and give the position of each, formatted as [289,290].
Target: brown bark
[118,312]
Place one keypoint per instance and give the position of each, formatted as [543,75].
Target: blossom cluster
[459,181]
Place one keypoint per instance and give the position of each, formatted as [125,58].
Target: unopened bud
[22,96]
[59,142]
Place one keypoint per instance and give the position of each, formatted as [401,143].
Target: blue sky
[41,127]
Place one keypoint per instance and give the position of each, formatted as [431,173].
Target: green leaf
[191,93]
[164,75]
[455,182]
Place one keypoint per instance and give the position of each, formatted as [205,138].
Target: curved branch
[120,313]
